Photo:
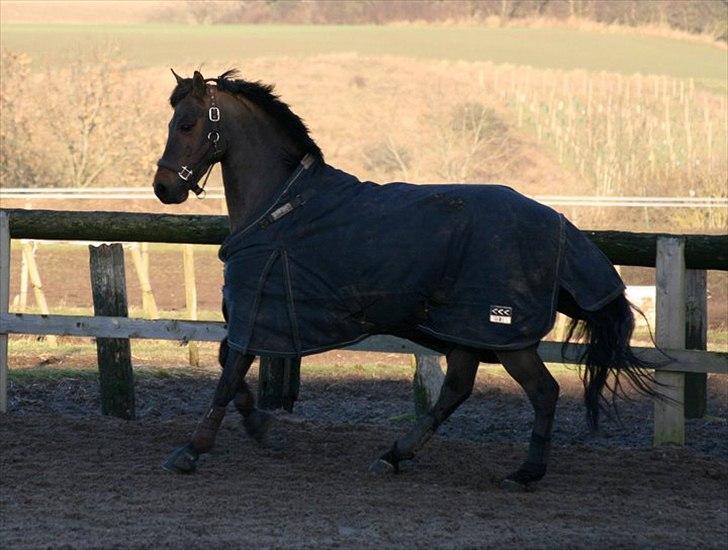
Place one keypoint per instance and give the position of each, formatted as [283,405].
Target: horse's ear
[177,77]
[198,85]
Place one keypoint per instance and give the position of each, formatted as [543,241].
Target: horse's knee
[546,395]
[462,366]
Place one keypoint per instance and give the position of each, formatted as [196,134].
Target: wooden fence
[680,262]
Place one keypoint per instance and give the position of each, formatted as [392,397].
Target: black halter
[211,153]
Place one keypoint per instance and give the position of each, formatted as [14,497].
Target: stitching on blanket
[307,351]
[474,343]
[291,303]
[256,301]
[559,266]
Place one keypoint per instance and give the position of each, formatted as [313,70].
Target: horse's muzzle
[169,191]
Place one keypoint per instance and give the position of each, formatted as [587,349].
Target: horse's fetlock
[202,444]
[395,455]
[256,424]
[204,437]
[529,472]
[407,446]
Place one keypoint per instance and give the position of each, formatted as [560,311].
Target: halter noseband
[213,137]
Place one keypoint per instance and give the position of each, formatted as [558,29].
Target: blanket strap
[286,208]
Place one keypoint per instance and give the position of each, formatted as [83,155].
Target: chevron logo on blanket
[500,314]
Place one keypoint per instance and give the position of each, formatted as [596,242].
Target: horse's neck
[249,189]
[253,171]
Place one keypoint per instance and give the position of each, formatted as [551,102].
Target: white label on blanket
[501,314]
[278,213]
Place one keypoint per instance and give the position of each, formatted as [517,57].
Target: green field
[165,44]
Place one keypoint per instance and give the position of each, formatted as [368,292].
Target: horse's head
[193,145]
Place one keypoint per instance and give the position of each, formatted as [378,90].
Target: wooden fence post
[141,266]
[670,321]
[23,294]
[4,304]
[34,276]
[145,256]
[427,382]
[278,383]
[696,337]
[108,284]
[188,260]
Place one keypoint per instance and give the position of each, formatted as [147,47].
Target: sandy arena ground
[72,478]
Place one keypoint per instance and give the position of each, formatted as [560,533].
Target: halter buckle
[214,114]
[185,173]
[213,136]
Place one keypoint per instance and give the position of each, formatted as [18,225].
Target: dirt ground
[72,478]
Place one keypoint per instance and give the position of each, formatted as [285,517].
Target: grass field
[146,45]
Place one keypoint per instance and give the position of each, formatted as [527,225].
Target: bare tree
[388,159]
[87,115]
[19,167]
[471,140]
[80,130]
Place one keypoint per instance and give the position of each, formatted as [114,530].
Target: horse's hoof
[182,461]
[273,442]
[513,486]
[525,477]
[382,466]
[258,426]
[521,481]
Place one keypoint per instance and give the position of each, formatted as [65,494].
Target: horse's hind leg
[184,459]
[462,366]
[255,421]
[526,367]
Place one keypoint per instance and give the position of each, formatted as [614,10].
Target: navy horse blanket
[334,260]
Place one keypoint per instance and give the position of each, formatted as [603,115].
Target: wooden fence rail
[214,331]
[679,259]
[622,247]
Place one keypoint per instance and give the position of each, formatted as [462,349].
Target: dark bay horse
[317,260]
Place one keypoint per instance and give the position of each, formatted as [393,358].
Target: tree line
[694,16]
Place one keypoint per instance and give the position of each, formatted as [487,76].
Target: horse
[317,260]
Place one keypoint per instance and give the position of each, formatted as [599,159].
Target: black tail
[608,357]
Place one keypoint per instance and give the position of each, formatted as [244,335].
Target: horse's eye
[186,127]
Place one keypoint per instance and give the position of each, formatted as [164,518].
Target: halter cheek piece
[213,138]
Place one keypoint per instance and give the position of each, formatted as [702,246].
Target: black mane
[261,95]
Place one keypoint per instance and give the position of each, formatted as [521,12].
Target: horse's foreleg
[526,368]
[231,380]
[184,459]
[462,366]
